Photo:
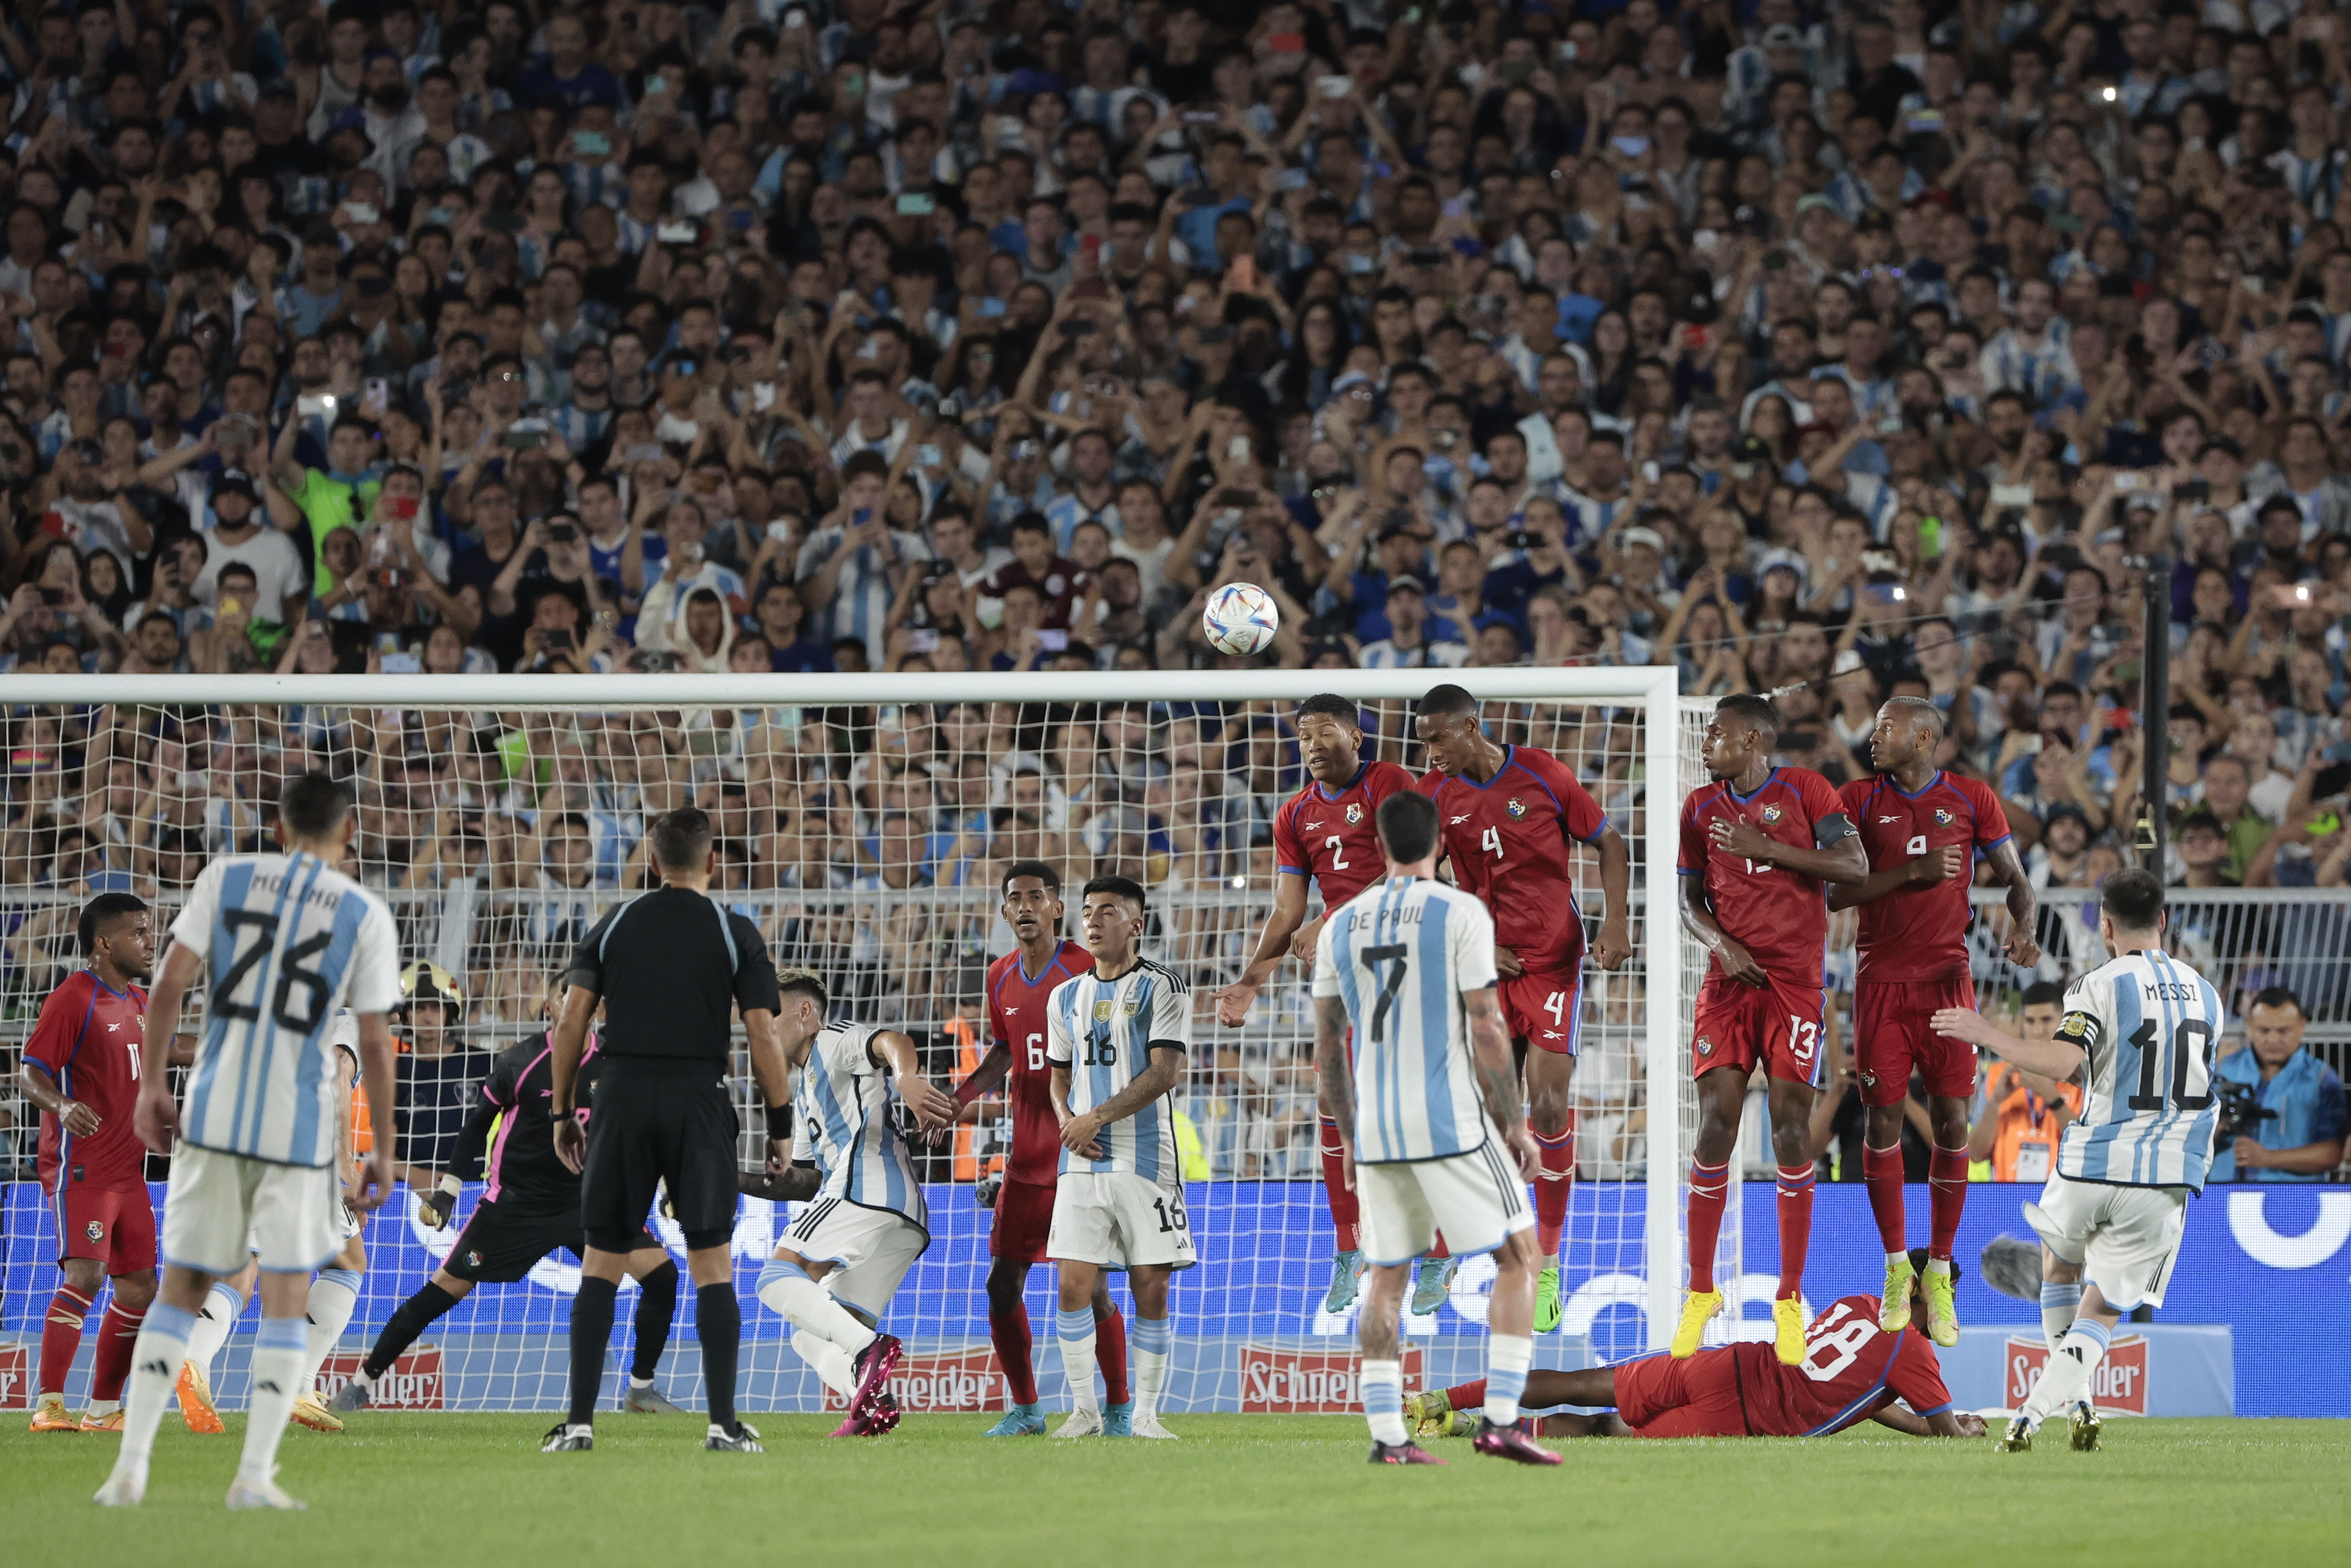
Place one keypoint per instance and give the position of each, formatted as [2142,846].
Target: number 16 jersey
[1103,1032]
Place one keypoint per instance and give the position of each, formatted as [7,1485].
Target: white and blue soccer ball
[1241,619]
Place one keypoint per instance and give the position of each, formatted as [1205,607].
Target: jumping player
[1509,815]
[1917,825]
[1756,844]
[1323,834]
[529,1208]
[1018,987]
[81,1070]
[1851,1371]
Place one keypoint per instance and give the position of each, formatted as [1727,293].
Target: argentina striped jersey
[285,941]
[1400,954]
[1103,1032]
[846,1127]
[2150,1026]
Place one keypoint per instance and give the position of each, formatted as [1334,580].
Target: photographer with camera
[2023,1112]
[2285,1120]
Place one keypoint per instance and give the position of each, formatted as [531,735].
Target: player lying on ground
[1852,1370]
[2139,1029]
[1918,825]
[1323,834]
[1415,1072]
[254,1165]
[1511,817]
[832,1276]
[81,1071]
[1757,845]
[1020,986]
[529,1209]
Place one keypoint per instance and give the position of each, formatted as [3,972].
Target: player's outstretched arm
[1334,1077]
[156,1118]
[1941,1424]
[1497,1078]
[2052,1058]
[1936,865]
[564,1048]
[1280,928]
[932,1106]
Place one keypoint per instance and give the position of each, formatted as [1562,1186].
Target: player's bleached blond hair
[807,980]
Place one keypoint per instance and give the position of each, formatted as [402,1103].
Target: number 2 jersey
[88,1040]
[2149,1025]
[1015,1021]
[1331,837]
[1103,1031]
[1918,931]
[1509,842]
[1780,917]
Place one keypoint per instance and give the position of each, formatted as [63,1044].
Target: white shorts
[871,1248]
[1476,1200]
[1119,1220]
[348,1223]
[2125,1239]
[222,1209]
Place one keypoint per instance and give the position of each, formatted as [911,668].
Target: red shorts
[1546,1011]
[1891,1038]
[113,1223]
[1024,1217]
[1739,1025]
[1659,1397]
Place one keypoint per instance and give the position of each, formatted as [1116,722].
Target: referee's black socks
[592,1333]
[411,1318]
[718,1323]
[656,1308]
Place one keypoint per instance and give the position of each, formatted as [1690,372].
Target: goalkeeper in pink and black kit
[529,1208]
[1018,987]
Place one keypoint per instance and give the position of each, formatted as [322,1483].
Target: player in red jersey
[1756,844]
[1323,834]
[1851,1371]
[1917,824]
[81,1069]
[1018,985]
[1510,816]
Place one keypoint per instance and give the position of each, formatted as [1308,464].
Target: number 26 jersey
[1103,1031]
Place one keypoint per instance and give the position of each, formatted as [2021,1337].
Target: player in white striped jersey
[837,1268]
[285,940]
[1427,1104]
[2140,1030]
[1117,1038]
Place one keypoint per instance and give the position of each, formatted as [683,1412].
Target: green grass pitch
[1244,1490]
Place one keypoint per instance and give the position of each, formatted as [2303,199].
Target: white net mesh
[867,840]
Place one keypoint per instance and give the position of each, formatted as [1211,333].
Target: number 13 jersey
[1015,1021]
[2150,1026]
[1103,1032]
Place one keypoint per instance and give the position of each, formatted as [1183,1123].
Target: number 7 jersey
[2149,1025]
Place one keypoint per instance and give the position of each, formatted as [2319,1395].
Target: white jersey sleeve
[193,928]
[1171,1017]
[374,973]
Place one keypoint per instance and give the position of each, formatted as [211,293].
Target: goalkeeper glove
[441,1202]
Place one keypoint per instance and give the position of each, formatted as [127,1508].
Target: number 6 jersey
[1103,1032]
[1015,1021]
[2150,1025]
[285,941]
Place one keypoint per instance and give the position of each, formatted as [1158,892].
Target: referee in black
[672,965]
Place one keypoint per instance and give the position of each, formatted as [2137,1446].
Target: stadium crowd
[1839,354]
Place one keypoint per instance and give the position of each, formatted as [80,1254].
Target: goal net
[865,823]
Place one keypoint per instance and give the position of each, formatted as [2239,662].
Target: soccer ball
[1241,619]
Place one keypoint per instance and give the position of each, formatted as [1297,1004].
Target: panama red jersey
[1015,1021]
[1508,839]
[1852,1369]
[1780,917]
[1918,931]
[88,1040]
[1330,837]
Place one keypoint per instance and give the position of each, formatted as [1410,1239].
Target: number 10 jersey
[2150,1025]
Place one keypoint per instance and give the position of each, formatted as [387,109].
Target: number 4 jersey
[1015,1021]
[285,940]
[2149,1024]
[1509,842]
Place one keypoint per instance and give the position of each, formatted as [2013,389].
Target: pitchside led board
[2261,1279]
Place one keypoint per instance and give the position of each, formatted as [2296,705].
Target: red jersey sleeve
[57,1034]
[1288,855]
[1386,779]
[1991,823]
[1917,1376]
[1832,818]
[1852,797]
[1578,813]
[1692,861]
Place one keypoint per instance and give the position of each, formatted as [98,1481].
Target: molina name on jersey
[1780,917]
[1332,837]
[846,1129]
[2149,1025]
[1015,1021]
[1104,1031]
[1508,839]
[1918,931]
[1400,956]
[286,940]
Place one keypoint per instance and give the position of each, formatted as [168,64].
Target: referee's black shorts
[501,1243]
[658,1120]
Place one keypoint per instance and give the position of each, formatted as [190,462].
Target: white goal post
[1624,730]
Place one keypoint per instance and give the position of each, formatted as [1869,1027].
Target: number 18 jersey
[1015,1021]
[2150,1025]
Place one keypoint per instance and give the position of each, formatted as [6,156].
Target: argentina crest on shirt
[1103,1032]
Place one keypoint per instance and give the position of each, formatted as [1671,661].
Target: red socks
[1467,1395]
[1947,1186]
[1109,1354]
[1881,1170]
[117,1334]
[1709,1187]
[61,1337]
[1343,1208]
[1553,1186]
[1009,1332]
[1795,1227]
